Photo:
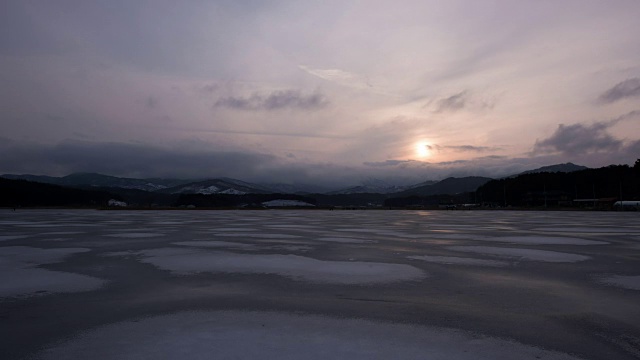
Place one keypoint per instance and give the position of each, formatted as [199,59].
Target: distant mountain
[294,188]
[99,180]
[217,186]
[34,178]
[563,168]
[447,186]
[370,186]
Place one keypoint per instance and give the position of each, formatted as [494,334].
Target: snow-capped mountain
[217,186]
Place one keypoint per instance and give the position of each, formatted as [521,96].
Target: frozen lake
[78,284]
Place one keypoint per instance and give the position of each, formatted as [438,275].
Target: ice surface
[216,244]
[523,239]
[260,235]
[232,229]
[265,335]
[592,230]
[134,235]
[190,261]
[627,282]
[63,233]
[546,240]
[392,233]
[458,260]
[12,237]
[297,261]
[19,275]
[346,240]
[524,254]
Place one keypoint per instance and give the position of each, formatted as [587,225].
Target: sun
[423,149]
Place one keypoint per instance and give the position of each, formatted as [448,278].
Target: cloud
[390,163]
[151,102]
[127,159]
[624,89]
[472,148]
[453,103]
[581,139]
[209,88]
[277,100]
[347,79]
[338,76]
[578,139]
[202,160]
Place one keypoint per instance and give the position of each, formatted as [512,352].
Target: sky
[333,92]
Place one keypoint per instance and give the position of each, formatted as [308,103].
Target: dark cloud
[143,160]
[126,159]
[579,139]
[277,100]
[472,148]
[209,88]
[151,102]
[453,102]
[388,163]
[624,89]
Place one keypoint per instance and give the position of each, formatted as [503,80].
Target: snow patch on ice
[302,248]
[19,275]
[189,261]
[452,260]
[524,254]
[63,233]
[627,282]
[269,335]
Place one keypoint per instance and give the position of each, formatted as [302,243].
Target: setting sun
[423,149]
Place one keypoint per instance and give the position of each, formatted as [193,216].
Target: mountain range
[238,187]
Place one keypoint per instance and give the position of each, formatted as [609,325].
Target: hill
[563,168]
[609,183]
[100,180]
[19,193]
[448,186]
